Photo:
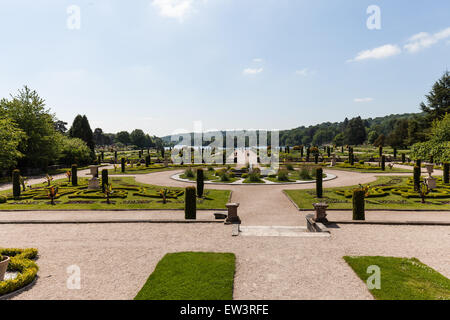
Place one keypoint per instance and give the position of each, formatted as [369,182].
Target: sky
[161,65]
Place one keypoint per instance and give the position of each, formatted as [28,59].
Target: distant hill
[325,132]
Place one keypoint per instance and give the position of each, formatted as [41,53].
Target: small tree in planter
[319,182]
[49,180]
[423,191]
[52,194]
[22,182]
[68,175]
[108,191]
[190,208]
[359,204]
[74,175]
[200,182]
[163,194]
[16,183]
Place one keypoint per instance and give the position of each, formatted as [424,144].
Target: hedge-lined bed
[127,194]
[387,192]
[21,261]
[191,276]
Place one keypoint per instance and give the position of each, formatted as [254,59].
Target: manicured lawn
[402,278]
[191,276]
[305,198]
[128,194]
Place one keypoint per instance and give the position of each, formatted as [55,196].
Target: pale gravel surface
[116,259]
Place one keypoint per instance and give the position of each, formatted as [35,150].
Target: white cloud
[258,60]
[362,100]
[177,9]
[382,52]
[425,40]
[305,72]
[250,71]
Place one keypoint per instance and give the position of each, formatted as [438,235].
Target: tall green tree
[138,138]
[10,137]
[123,137]
[28,111]
[82,130]
[438,100]
[355,132]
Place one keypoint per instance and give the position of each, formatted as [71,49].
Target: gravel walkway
[115,260]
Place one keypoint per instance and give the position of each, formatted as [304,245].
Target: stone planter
[3,267]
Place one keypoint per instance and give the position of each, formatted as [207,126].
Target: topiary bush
[446,174]
[200,182]
[16,183]
[105,179]
[319,182]
[383,163]
[403,158]
[147,160]
[190,205]
[3,199]
[416,178]
[74,175]
[358,204]
[122,164]
[189,173]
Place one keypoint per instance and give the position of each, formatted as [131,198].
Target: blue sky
[159,65]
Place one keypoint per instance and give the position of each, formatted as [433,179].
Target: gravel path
[115,260]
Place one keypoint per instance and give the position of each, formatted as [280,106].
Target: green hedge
[20,262]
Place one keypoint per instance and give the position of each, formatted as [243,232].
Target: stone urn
[321,212]
[3,267]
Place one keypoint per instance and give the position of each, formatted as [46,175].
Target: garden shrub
[190,209]
[358,204]
[147,160]
[200,182]
[189,173]
[3,199]
[304,174]
[383,163]
[283,175]
[122,165]
[403,158]
[290,167]
[16,183]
